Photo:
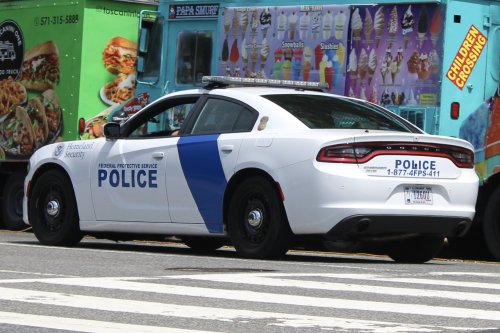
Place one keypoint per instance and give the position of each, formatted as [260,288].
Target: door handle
[158,155]
[228,148]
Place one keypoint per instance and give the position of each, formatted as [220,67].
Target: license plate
[418,195]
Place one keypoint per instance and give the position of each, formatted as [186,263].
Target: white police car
[260,165]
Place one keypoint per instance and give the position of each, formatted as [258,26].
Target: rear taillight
[455,110]
[81,126]
[363,152]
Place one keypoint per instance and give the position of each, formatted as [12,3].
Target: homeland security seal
[58,150]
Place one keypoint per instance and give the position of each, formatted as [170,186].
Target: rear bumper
[380,226]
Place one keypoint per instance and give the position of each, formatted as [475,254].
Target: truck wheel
[12,202]
[415,250]
[53,210]
[491,224]
[203,244]
[257,221]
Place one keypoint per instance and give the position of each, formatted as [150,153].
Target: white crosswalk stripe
[337,291]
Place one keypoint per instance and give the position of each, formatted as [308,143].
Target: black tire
[61,226]
[12,202]
[203,244]
[491,224]
[270,237]
[414,250]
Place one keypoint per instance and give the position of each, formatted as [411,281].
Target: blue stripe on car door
[202,168]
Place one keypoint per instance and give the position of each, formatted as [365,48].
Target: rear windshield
[324,112]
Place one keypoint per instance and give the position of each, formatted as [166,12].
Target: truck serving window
[322,112]
[194,57]
[152,64]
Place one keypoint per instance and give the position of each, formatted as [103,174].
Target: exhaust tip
[461,229]
[362,225]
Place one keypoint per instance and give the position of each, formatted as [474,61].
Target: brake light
[455,110]
[81,126]
[364,152]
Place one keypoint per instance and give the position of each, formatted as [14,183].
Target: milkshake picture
[265,21]
[292,25]
[327,25]
[368,25]
[316,24]
[436,26]
[340,19]
[379,24]
[353,66]
[306,68]
[372,65]
[407,24]
[329,75]
[281,25]
[244,23]
[356,26]
[305,20]
[423,24]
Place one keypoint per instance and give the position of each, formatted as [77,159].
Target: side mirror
[143,40]
[119,117]
[111,131]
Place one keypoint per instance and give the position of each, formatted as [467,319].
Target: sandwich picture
[53,114]
[120,56]
[16,133]
[40,69]
[38,120]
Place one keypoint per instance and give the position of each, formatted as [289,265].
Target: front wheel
[415,250]
[53,210]
[12,202]
[257,221]
[491,224]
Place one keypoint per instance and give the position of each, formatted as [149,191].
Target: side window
[194,57]
[164,121]
[221,116]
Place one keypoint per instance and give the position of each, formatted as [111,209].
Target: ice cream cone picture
[351,93]
[356,26]
[353,66]
[436,26]
[372,65]
[392,28]
[407,24]
[227,21]
[362,94]
[254,54]
[394,71]
[362,66]
[235,54]
[379,25]
[423,24]
[383,71]
[373,97]
[368,25]
[265,21]
[255,22]
[341,54]
[243,23]
[264,53]
[244,54]
[236,22]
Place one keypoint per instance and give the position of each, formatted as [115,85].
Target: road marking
[84,325]
[32,273]
[305,284]
[251,296]
[207,313]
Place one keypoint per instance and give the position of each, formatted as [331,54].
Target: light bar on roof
[246,81]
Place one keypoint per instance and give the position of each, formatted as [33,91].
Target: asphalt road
[102,286]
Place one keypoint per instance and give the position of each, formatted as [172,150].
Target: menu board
[387,54]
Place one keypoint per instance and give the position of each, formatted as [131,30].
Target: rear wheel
[415,250]
[203,243]
[491,224]
[53,210]
[12,202]
[257,221]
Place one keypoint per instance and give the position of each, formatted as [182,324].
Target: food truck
[60,61]
[432,62]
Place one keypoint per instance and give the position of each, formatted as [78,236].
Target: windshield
[325,112]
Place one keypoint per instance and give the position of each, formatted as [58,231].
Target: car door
[204,159]
[128,175]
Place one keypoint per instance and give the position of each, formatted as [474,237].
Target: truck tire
[491,224]
[257,221]
[415,250]
[12,202]
[53,210]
